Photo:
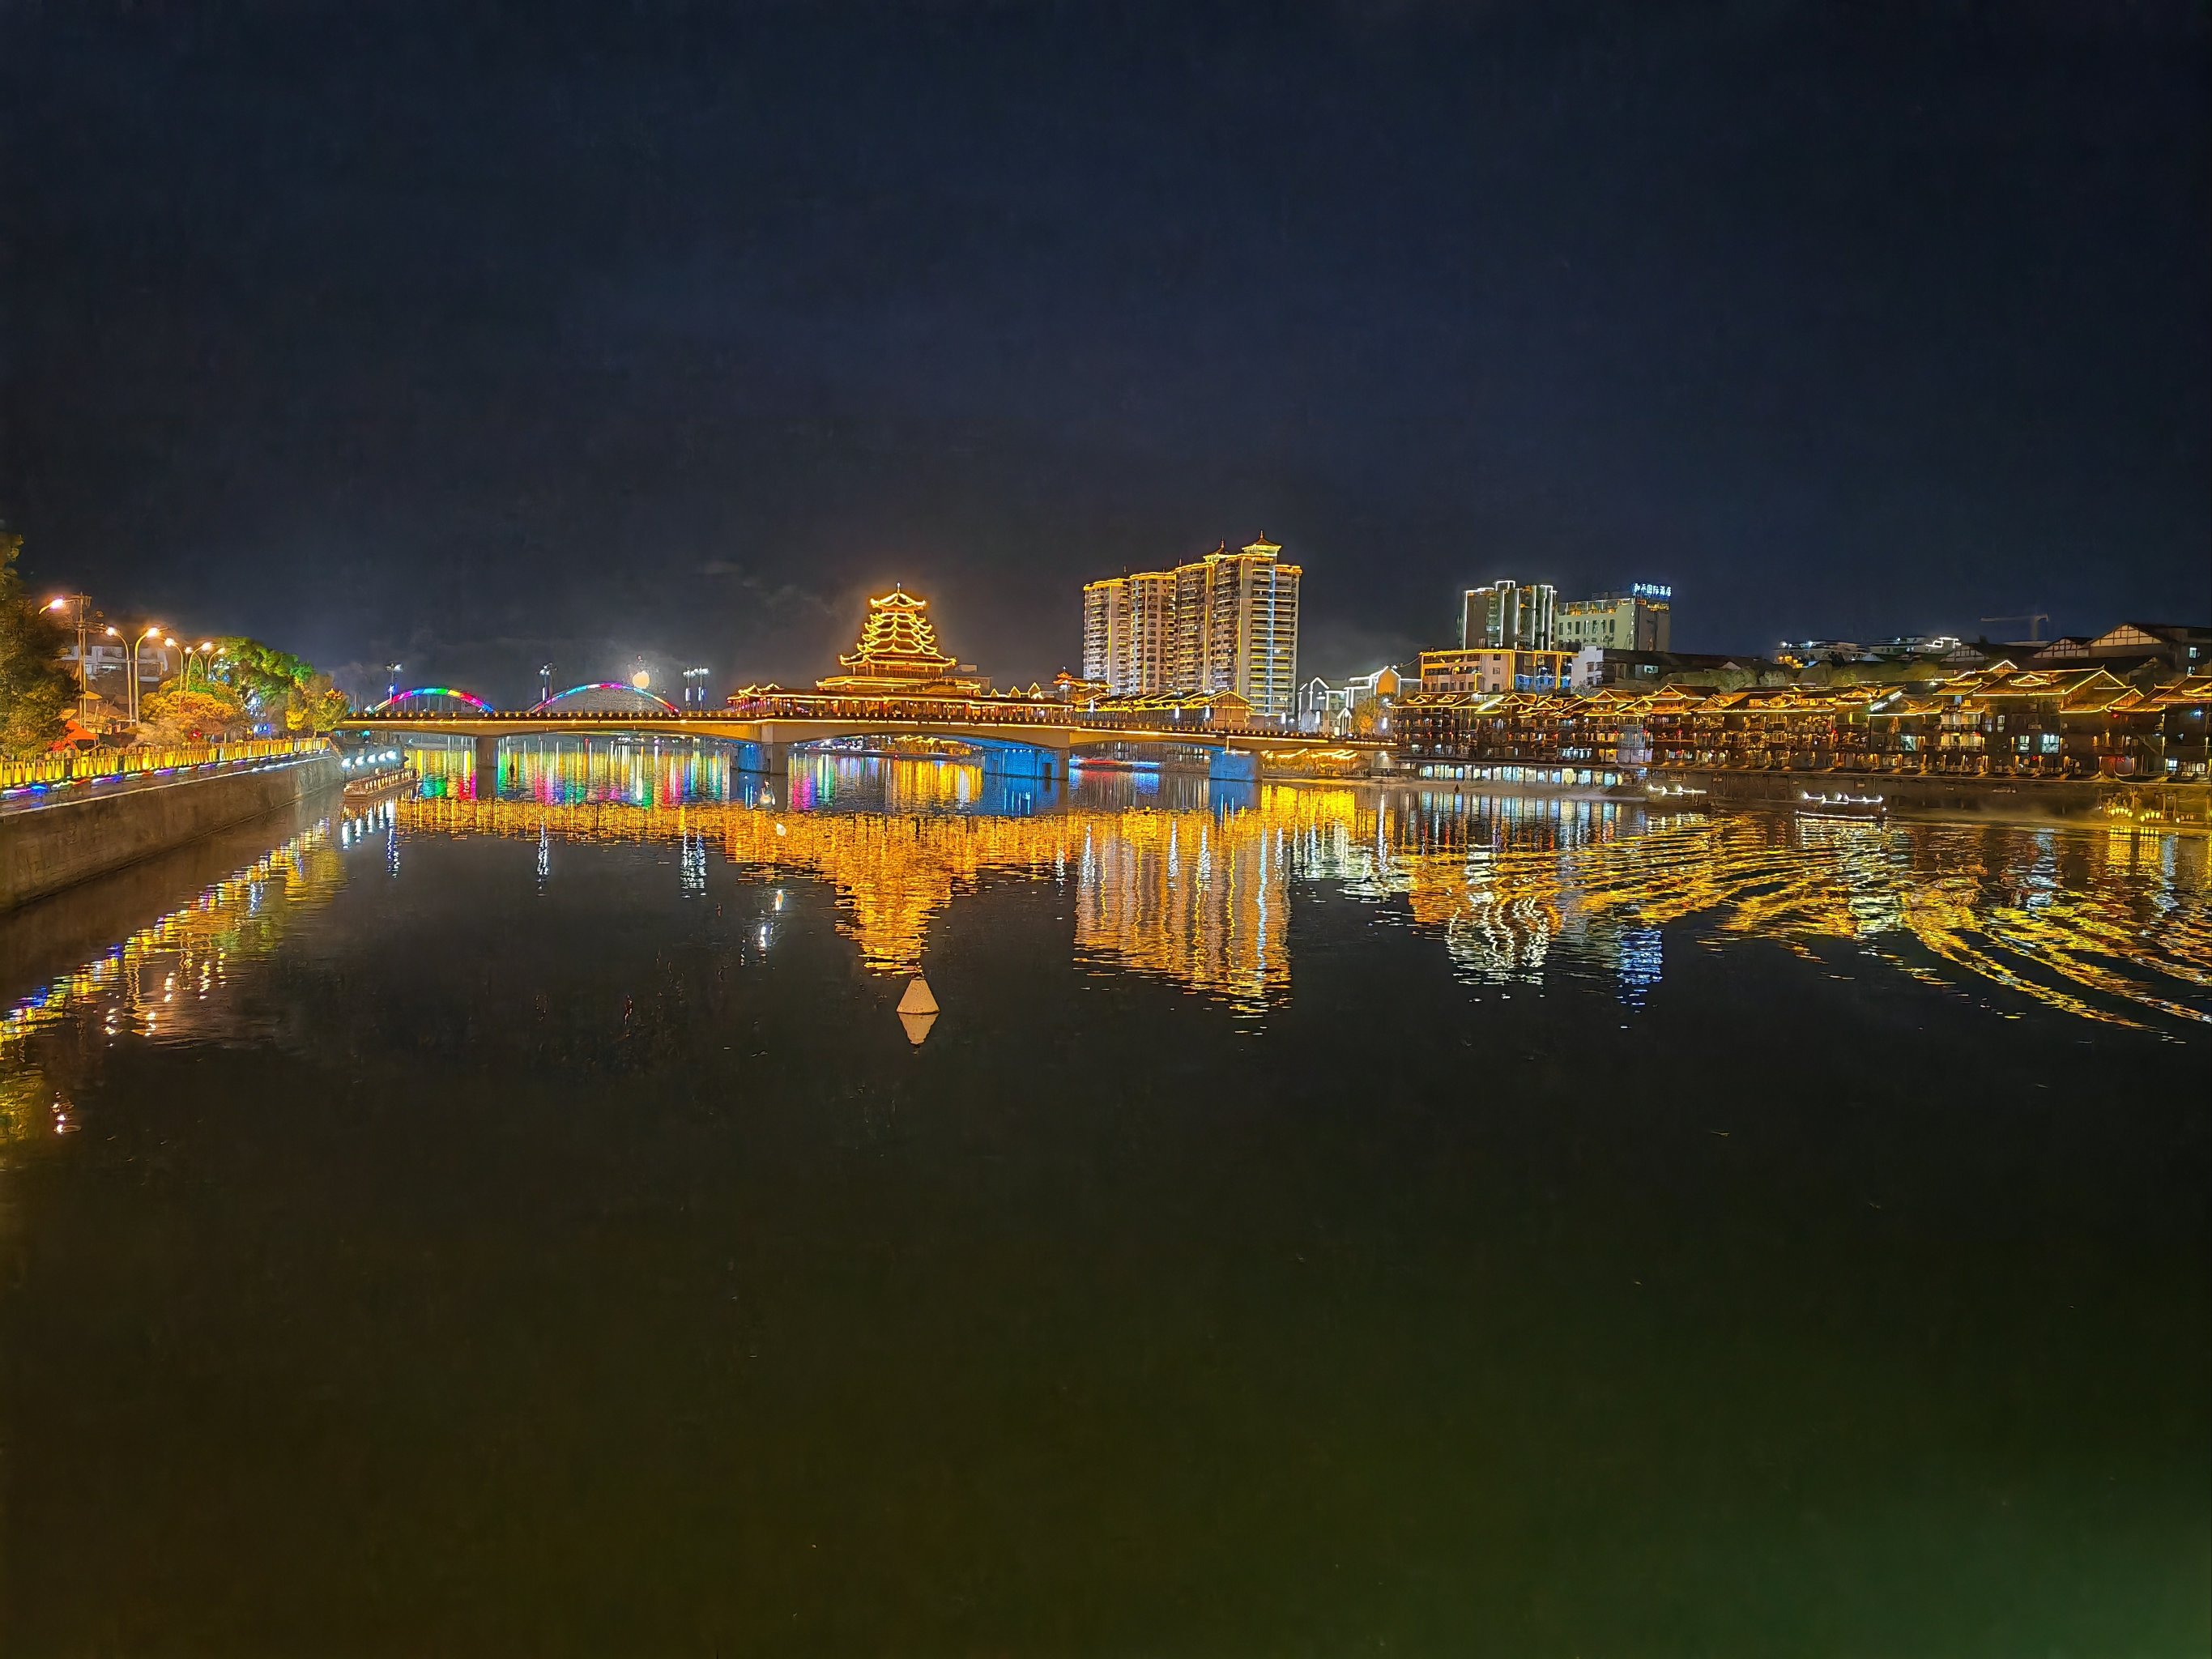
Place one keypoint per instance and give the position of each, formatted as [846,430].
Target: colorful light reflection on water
[1195,884]
[1198,885]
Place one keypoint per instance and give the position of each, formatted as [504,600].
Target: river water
[516,1218]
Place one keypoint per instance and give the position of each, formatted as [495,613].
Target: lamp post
[205,652]
[83,605]
[394,690]
[130,669]
[694,686]
[545,683]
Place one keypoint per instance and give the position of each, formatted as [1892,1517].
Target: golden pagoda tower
[898,655]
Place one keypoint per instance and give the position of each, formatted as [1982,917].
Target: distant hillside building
[1360,706]
[1226,622]
[1450,672]
[1642,619]
[2178,647]
[1508,616]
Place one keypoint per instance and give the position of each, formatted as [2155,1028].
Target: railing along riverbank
[49,773]
[60,831]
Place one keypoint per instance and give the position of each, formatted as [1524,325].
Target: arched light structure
[628,698]
[428,691]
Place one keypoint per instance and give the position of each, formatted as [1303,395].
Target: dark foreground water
[1318,1222]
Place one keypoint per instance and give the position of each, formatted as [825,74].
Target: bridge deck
[1058,735]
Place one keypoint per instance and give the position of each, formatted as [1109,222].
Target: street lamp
[83,602]
[545,683]
[205,652]
[394,690]
[133,667]
[694,686]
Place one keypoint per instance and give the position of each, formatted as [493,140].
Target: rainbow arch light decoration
[426,692]
[632,696]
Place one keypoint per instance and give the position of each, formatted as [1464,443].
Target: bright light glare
[640,679]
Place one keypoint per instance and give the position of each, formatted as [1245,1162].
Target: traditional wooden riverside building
[1997,721]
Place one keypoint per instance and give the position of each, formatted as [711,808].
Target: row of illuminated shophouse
[1995,721]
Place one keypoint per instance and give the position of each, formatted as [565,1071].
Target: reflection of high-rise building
[1507,616]
[1227,621]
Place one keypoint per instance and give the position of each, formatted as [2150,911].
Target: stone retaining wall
[46,848]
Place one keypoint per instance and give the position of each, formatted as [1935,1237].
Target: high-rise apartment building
[1642,619]
[1507,616]
[1227,621]
[1128,632]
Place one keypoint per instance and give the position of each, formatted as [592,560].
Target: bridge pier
[487,767]
[1023,762]
[772,759]
[1233,766]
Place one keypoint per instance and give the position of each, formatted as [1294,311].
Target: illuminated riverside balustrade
[58,771]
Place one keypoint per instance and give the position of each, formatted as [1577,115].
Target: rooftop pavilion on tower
[898,655]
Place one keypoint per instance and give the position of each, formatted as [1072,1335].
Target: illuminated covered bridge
[1019,736]
[897,683]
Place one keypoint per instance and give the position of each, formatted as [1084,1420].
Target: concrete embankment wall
[2015,800]
[44,849]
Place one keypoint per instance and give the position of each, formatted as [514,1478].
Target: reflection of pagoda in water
[1519,893]
[898,655]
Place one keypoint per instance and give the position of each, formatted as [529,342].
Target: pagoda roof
[897,640]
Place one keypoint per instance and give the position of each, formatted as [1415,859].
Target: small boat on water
[374,785]
[1864,809]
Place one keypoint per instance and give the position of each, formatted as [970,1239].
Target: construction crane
[2033,620]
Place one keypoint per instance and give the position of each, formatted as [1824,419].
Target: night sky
[482,336]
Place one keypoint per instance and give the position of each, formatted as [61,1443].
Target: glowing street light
[641,680]
[83,604]
[132,670]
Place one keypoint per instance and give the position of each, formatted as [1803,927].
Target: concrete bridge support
[1023,762]
[1233,766]
[487,767]
[771,759]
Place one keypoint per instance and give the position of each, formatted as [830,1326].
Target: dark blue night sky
[485,334]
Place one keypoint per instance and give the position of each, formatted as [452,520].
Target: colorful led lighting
[470,698]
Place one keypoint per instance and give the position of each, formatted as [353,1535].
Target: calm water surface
[1321,1220]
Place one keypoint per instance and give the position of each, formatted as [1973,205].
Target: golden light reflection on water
[2111,926]
[168,983]
[2108,926]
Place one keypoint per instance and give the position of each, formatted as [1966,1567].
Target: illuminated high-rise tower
[1128,631]
[1507,616]
[1225,622]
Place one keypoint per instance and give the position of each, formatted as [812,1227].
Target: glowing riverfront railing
[53,771]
